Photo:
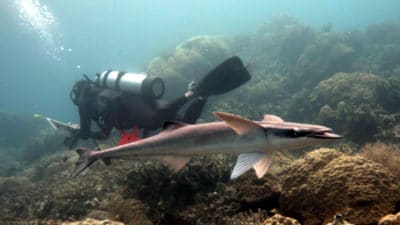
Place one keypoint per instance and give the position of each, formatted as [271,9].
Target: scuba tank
[136,83]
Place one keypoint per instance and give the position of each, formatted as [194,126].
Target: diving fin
[225,77]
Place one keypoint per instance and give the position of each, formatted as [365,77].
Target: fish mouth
[325,134]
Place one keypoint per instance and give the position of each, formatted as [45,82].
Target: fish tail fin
[84,161]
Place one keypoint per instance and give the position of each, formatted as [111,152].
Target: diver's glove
[72,140]
[193,88]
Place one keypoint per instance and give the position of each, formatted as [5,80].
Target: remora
[253,141]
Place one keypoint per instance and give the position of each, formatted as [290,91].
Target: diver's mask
[79,88]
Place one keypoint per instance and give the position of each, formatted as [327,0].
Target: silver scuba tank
[136,83]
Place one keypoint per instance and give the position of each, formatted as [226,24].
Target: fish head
[290,136]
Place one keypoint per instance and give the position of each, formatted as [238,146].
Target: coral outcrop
[326,181]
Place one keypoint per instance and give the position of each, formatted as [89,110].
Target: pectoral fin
[259,161]
[239,124]
[175,162]
[262,166]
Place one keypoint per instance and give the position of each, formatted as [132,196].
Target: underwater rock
[90,221]
[390,219]
[189,61]
[280,220]
[326,181]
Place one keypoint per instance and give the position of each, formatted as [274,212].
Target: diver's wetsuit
[113,109]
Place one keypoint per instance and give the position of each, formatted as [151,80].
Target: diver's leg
[194,111]
[170,109]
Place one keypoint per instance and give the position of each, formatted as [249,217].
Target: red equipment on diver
[127,137]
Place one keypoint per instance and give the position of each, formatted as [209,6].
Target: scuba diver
[127,101]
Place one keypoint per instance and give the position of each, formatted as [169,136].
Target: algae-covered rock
[280,220]
[326,181]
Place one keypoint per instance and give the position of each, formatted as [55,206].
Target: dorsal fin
[272,118]
[172,125]
[239,124]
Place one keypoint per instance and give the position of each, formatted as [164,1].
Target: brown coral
[326,181]
[390,219]
[384,154]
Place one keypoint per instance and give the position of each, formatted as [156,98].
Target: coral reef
[346,80]
[326,181]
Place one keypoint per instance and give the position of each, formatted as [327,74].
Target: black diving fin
[225,77]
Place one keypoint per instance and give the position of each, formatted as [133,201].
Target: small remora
[253,141]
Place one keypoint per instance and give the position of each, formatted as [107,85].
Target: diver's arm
[104,133]
[85,131]
[85,123]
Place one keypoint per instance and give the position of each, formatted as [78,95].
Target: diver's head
[79,90]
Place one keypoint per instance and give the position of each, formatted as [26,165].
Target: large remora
[253,141]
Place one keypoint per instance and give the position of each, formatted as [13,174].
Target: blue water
[46,45]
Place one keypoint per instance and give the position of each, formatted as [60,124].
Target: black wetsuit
[113,109]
